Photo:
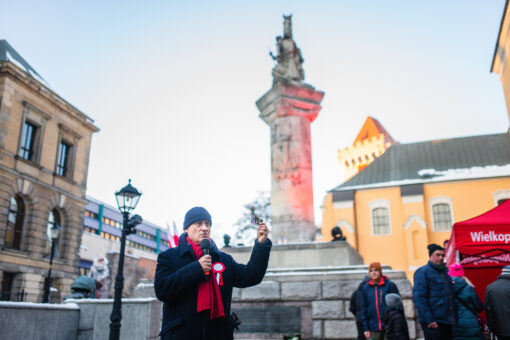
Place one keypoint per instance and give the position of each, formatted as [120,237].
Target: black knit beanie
[196,214]
[433,247]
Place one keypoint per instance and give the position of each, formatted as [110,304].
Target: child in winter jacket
[394,319]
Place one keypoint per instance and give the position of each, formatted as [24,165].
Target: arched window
[53,221]
[442,217]
[15,223]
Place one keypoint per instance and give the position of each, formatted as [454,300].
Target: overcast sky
[172,85]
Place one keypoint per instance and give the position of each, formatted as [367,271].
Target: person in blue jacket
[468,306]
[196,288]
[373,304]
[434,296]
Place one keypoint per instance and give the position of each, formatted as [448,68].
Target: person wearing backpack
[467,305]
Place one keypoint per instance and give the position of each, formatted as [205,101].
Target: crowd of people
[447,304]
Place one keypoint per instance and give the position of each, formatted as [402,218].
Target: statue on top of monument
[289,66]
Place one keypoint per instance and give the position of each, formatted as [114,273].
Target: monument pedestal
[294,257]
[289,108]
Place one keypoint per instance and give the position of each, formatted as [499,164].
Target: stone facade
[29,178]
[289,110]
[312,303]
[324,255]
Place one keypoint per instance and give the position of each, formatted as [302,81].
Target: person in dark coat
[373,304]
[468,306]
[434,296]
[497,305]
[196,289]
[355,307]
[395,323]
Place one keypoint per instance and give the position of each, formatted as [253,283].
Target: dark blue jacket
[373,304]
[468,307]
[433,295]
[178,274]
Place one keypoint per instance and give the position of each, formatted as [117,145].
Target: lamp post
[127,198]
[55,230]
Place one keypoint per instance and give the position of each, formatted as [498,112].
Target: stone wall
[141,319]
[311,302]
[81,319]
[22,320]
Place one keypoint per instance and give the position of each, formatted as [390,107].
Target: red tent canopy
[483,245]
[482,241]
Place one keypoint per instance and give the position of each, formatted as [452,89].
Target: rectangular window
[63,159]
[381,221]
[26,150]
[442,217]
[6,293]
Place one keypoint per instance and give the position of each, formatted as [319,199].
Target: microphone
[205,245]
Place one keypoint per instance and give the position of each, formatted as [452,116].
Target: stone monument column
[289,108]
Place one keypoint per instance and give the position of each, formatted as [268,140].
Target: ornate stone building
[44,158]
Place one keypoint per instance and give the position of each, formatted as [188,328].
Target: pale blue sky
[172,85]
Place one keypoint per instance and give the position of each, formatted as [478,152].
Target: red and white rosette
[218,268]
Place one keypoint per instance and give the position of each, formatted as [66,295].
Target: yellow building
[501,54]
[371,142]
[413,193]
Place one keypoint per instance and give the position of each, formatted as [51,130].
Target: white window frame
[440,200]
[381,203]
[500,195]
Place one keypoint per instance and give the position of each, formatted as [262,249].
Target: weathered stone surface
[340,329]
[404,287]
[317,329]
[38,321]
[262,292]
[300,290]
[328,309]
[236,294]
[348,314]
[338,289]
[87,313]
[409,308]
[411,326]
[269,319]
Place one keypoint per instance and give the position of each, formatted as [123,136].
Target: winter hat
[376,266]
[433,247]
[506,270]
[456,270]
[196,214]
[393,300]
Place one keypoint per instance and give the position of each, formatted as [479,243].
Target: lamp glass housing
[55,231]
[127,198]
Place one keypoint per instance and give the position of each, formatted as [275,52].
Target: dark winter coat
[497,305]
[395,324]
[355,303]
[433,295]
[467,304]
[373,304]
[178,274]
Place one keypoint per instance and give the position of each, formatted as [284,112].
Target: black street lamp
[127,198]
[55,230]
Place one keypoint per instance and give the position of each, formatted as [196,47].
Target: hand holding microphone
[206,260]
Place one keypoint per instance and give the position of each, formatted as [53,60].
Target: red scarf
[209,296]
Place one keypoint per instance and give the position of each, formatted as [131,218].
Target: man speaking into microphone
[195,281]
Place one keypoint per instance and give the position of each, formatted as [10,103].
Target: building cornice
[11,70]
